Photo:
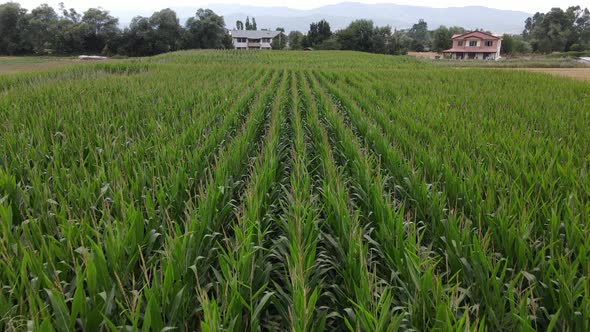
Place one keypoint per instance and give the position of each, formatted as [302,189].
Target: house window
[241,40]
[489,43]
[472,43]
[460,43]
[266,40]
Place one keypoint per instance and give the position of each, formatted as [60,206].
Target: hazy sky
[524,5]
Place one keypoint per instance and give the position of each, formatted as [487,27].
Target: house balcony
[474,49]
[253,44]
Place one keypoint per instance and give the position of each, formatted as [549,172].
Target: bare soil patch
[9,65]
[582,74]
[424,55]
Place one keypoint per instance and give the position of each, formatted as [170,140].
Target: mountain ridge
[341,14]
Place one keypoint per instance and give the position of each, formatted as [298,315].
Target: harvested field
[424,55]
[12,64]
[582,74]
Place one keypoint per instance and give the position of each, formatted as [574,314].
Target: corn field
[320,191]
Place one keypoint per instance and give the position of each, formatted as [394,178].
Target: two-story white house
[254,39]
[475,45]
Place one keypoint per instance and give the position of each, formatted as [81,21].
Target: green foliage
[166,33]
[205,30]
[42,28]
[420,36]
[357,36]
[304,192]
[295,40]
[44,31]
[318,33]
[12,23]
[329,44]
[559,30]
[514,44]
[148,36]
[363,35]
[99,31]
[279,42]
[250,26]
[442,37]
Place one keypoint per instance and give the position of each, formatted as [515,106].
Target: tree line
[556,31]
[363,35]
[44,30]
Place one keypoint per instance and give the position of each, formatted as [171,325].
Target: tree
[250,26]
[358,36]
[70,33]
[583,29]
[330,44]
[441,39]
[295,40]
[279,42]
[239,25]
[363,35]
[137,39]
[401,42]
[41,29]
[100,29]
[514,44]
[318,33]
[12,26]
[45,30]
[166,31]
[558,30]
[206,30]
[382,40]
[419,35]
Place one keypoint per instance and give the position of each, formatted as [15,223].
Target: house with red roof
[475,45]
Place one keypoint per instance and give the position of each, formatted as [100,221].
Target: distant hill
[340,15]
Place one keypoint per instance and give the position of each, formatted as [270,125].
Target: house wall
[496,44]
[239,45]
[252,44]
[266,45]
[478,56]
[480,43]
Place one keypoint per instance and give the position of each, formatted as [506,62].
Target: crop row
[286,191]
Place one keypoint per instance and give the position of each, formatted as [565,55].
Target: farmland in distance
[232,190]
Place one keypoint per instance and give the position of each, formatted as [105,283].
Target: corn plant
[230,191]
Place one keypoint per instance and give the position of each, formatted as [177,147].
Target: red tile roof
[476,34]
